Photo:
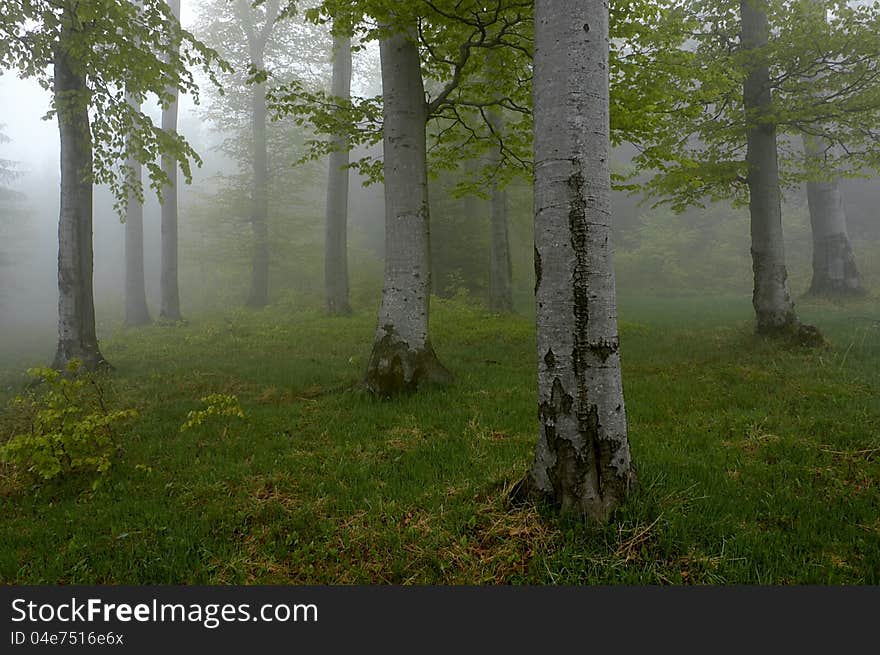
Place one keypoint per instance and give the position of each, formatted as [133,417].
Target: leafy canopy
[121,47]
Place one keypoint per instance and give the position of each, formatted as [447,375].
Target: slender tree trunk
[834,264]
[403,359]
[336,249]
[169,307]
[259,291]
[76,306]
[136,311]
[774,308]
[500,270]
[582,460]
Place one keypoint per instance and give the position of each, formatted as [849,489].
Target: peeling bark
[169,304]
[336,247]
[76,306]
[403,359]
[582,460]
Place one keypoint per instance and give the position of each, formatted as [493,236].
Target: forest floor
[758,462]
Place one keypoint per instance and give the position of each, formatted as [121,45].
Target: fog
[702,251]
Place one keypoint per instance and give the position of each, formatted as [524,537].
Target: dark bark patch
[538,269]
[604,348]
[550,359]
[397,369]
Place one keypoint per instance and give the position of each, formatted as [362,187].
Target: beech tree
[835,272]
[169,285]
[335,244]
[258,25]
[267,44]
[136,311]
[450,33]
[582,460]
[99,51]
[500,268]
[738,91]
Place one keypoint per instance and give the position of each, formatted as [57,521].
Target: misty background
[658,252]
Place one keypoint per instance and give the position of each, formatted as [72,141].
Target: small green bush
[217,404]
[63,425]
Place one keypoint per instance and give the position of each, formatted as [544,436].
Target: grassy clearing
[758,464]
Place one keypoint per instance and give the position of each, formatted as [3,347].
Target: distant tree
[835,272]
[335,248]
[451,36]
[740,102]
[8,213]
[258,24]
[500,268]
[582,461]
[99,51]
[136,311]
[169,284]
[7,166]
[267,44]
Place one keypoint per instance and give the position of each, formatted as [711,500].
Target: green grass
[757,463]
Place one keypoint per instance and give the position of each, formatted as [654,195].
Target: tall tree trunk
[136,311]
[500,270]
[335,245]
[582,460]
[403,359]
[774,308]
[169,306]
[259,291]
[834,264]
[76,305]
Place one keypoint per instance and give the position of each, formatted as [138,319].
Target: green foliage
[123,48]
[824,64]
[63,426]
[216,405]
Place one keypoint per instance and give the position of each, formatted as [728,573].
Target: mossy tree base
[91,357]
[397,369]
[588,508]
[792,330]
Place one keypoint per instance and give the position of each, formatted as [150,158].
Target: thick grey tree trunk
[169,305]
[136,311]
[335,245]
[774,308]
[76,306]
[835,272]
[403,359]
[582,460]
[500,270]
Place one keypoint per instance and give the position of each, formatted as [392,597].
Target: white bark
[582,460]
[403,358]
